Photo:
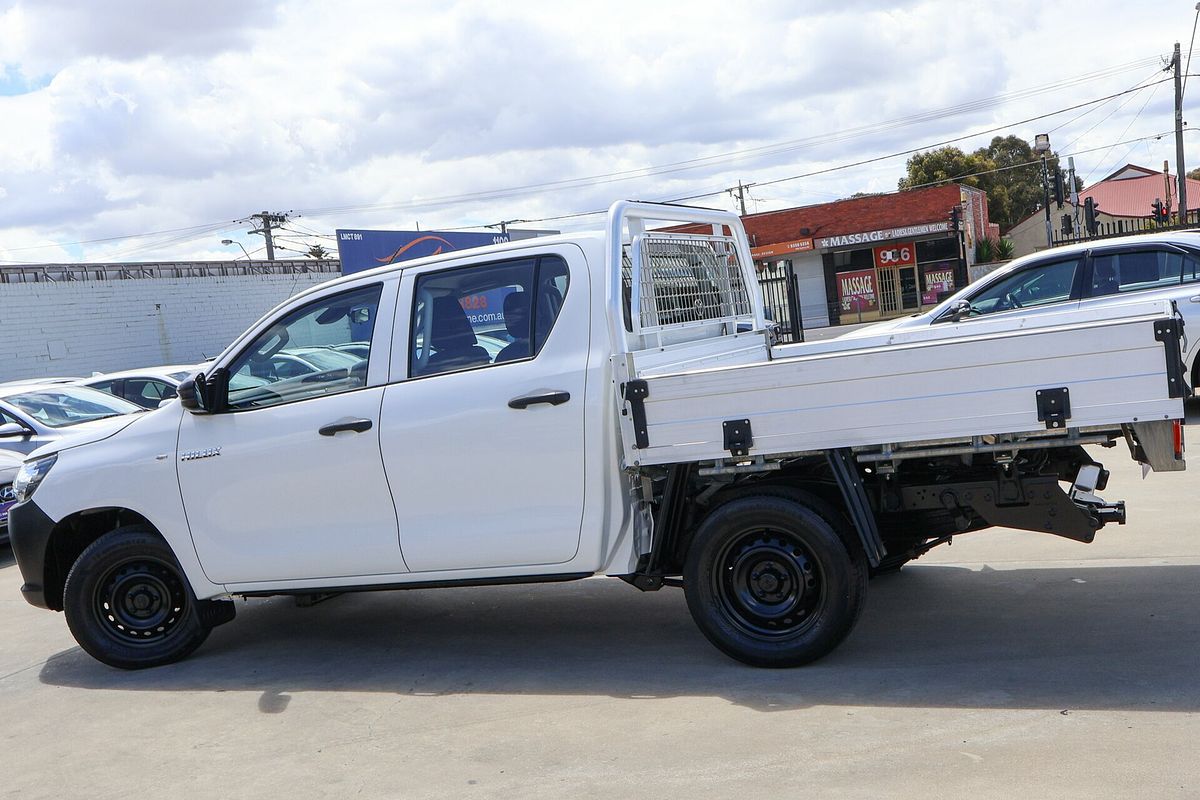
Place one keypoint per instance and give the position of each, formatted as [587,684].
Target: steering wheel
[1012,300]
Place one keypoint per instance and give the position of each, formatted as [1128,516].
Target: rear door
[484,440]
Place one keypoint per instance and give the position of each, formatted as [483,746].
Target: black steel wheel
[128,603]
[772,582]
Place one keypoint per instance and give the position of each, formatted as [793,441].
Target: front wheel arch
[71,536]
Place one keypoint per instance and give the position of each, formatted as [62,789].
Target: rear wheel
[128,603]
[772,583]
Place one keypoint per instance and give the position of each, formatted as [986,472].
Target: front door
[288,483]
[483,443]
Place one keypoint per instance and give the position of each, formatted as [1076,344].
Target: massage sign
[856,291]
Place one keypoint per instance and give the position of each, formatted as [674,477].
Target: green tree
[318,251]
[1007,169]
[1194,174]
[943,165]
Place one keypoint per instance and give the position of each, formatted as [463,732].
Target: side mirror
[191,395]
[10,430]
[959,310]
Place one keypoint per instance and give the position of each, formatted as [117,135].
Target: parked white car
[1089,276]
[146,387]
[32,415]
[150,387]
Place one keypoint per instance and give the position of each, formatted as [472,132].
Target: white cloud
[156,116]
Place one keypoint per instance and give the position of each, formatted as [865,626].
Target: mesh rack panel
[688,280]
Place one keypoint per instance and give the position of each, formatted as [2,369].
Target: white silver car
[150,387]
[146,387]
[1088,274]
[32,415]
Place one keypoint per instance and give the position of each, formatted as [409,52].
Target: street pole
[1041,145]
[741,193]
[1180,172]
[1074,197]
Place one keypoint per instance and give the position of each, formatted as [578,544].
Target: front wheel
[128,603]
[771,583]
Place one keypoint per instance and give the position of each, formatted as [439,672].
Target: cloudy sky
[141,130]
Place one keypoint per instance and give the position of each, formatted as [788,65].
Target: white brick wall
[77,328]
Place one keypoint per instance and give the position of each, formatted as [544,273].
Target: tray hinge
[1054,407]
[1169,331]
[635,393]
[738,436]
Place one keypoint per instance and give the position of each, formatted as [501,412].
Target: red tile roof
[1132,197]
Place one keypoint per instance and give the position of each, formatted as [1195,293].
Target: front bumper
[29,532]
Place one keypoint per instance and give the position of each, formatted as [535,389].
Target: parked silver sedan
[34,414]
[1096,274]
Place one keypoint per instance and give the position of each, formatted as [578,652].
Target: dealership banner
[856,291]
[939,278]
[361,250]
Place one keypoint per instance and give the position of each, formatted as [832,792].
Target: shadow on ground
[933,636]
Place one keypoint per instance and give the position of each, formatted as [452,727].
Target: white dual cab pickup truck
[581,405]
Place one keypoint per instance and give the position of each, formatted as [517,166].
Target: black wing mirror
[190,394]
[205,395]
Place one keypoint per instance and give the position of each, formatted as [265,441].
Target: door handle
[552,398]
[1194,298]
[347,424]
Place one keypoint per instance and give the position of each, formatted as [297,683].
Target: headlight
[30,475]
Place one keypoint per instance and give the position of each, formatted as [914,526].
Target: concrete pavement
[1009,664]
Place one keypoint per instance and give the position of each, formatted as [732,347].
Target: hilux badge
[192,455]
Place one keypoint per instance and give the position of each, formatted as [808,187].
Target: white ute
[585,405]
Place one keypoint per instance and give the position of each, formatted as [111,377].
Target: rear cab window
[485,314]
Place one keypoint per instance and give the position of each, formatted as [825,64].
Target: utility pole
[1074,195]
[741,196]
[1180,171]
[265,221]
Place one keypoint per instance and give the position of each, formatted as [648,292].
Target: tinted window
[296,359]
[1133,272]
[1036,286]
[147,392]
[487,314]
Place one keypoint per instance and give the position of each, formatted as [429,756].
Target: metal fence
[63,273]
[781,297]
[1125,227]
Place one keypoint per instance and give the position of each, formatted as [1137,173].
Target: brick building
[867,258]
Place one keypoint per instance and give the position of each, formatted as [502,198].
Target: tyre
[772,582]
[128,603]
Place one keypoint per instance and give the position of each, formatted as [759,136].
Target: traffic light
[1090,209]
[955,219]
[1058,187]
[1158,211]
[1068,225]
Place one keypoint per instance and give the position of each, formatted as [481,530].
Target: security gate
[781,298]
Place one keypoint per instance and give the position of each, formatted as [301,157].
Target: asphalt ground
[1010,664]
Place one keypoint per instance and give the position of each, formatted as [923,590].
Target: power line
[679,166]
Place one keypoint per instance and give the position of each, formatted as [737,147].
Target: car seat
[452,338]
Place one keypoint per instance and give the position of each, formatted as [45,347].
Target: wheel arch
[71,536]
